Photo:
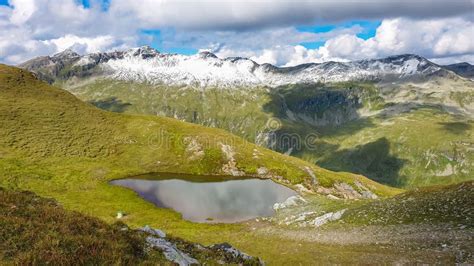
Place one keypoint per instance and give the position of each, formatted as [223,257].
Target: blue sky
[155,40]
[103,3]
[368,31]
[268,31]
[369,28]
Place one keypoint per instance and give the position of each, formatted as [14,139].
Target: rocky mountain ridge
[463,69]
[145,64]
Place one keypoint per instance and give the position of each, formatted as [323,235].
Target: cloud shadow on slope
[315,109]
[294,105]
[112,104]
[457,128]
[372,160]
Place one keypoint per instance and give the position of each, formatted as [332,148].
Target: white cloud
[82,44]
[263,30]
[450,38]
[23,10]
[251,14]
[42,27]
[252,40]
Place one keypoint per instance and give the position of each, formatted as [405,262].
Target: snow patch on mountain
[145,64]
[206,69]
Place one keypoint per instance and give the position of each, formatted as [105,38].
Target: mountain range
[57,146]
[401,120]
[145,64]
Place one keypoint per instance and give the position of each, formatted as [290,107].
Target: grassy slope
[57,146]
[433,205]
[436,221]
[45,125]
[238,111]
[35,230]
[420,148]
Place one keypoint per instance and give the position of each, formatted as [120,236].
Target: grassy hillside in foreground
[35,230]
[401,136]
[57,146]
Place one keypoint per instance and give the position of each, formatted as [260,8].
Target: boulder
[154,232]
[289,202]
[171,252]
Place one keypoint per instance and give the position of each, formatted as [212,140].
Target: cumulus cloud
[81,44]
[219,41]
[263,30]
[443,40]
[42,27]
[251,14]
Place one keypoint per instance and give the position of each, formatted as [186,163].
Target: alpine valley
[108,158]
[401,120]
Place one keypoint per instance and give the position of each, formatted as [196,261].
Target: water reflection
[215,201]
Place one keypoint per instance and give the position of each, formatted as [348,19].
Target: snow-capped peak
[146,64]
[144,52]
[67,54]
[206,69]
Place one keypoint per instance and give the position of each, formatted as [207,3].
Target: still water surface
[210,199]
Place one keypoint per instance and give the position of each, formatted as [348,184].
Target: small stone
[155,232]
[330,196]
[262,171]
[289,202]
[171,252]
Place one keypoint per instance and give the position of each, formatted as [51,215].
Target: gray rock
[289,202]
[262,171]
[227,248]
[366,193]
[347,191]
[310,172]
[171,252]
[328,217]
[155,232]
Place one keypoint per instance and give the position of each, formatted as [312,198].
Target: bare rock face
[462,69]
[310,172]
[157,239]
[155,232]
[178,251]
[302,189]
[325,218]
[171,252]
[312,218]
[289,202]
[237,255]
[194,149]
[366,193]
[262,171]
[346,191]
[230,167]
